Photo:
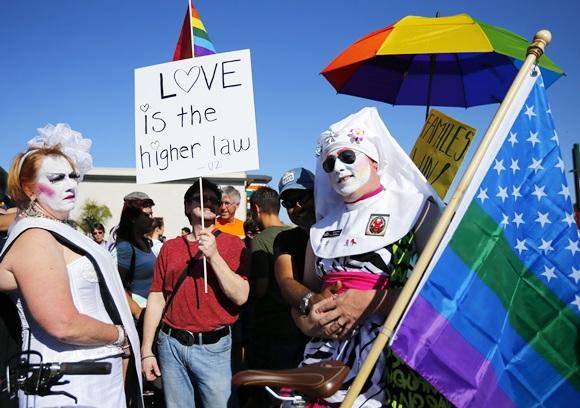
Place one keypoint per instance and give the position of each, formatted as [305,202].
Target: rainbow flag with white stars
[193,27]
[496,320]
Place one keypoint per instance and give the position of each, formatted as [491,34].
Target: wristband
[147,356]
[120,336]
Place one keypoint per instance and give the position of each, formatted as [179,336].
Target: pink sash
[356,280]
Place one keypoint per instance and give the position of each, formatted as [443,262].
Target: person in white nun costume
[370,199]
[66,286]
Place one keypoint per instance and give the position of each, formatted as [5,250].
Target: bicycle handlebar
[38,378]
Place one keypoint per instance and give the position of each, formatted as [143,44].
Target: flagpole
[535,51]
[200,180]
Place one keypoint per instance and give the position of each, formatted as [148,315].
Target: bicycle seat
[316,380]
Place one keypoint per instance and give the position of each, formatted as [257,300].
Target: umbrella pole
[429,89]
[431,70]
[535,51]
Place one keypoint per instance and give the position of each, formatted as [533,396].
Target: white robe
[343,231]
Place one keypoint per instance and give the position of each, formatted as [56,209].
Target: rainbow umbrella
[442,61]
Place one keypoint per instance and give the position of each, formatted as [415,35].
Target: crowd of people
[175,317]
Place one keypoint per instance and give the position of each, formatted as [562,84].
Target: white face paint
[348,178]
[56,187]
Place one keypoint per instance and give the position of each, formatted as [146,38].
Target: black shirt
[292,242]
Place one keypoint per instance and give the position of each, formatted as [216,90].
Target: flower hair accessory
[330,137]
[356,135]
[72,143]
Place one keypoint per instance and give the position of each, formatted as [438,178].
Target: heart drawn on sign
[187,79]
[144,107]
[155,145]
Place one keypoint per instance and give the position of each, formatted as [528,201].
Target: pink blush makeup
[46,190]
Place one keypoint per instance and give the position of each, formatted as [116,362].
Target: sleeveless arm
[37,262]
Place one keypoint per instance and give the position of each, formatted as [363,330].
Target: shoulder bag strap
[131,273]
[127,278]
[185,272]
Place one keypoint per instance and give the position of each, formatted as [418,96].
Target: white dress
[91,390]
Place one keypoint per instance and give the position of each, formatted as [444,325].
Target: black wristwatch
[305,303]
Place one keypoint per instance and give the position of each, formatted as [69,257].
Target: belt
[188,338]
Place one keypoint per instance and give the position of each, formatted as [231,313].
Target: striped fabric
[193,26]
[496,323]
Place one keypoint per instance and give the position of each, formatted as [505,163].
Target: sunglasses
[346,156]
[207,200]
[98,232]
[291,202]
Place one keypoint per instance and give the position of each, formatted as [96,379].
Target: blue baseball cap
[296,179]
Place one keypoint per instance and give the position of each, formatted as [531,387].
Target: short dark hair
[194,189]
[157,223]
[250,225]
[98,226]
[267,199]
[186,229]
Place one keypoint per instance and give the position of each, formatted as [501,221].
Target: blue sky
[73,61]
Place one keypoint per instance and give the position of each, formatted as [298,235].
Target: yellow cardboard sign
[440,149]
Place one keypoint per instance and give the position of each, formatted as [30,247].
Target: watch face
[305,303]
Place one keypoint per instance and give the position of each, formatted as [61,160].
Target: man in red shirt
[194,343]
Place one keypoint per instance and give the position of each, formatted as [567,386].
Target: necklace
[34,211]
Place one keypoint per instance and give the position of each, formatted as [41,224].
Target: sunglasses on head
[346,156]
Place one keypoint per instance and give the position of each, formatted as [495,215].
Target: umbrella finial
[541,39]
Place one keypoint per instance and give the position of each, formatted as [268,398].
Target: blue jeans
[207,366]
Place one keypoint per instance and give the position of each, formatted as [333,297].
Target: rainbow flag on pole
[193,27]
[496,320]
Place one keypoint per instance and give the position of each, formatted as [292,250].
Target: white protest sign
[195,117]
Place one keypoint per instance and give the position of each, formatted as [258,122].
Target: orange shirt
[235,228]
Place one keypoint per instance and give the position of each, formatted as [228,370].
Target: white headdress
[406,188]
[366,132]
[72,143]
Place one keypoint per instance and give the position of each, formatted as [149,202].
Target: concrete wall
[108,186]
